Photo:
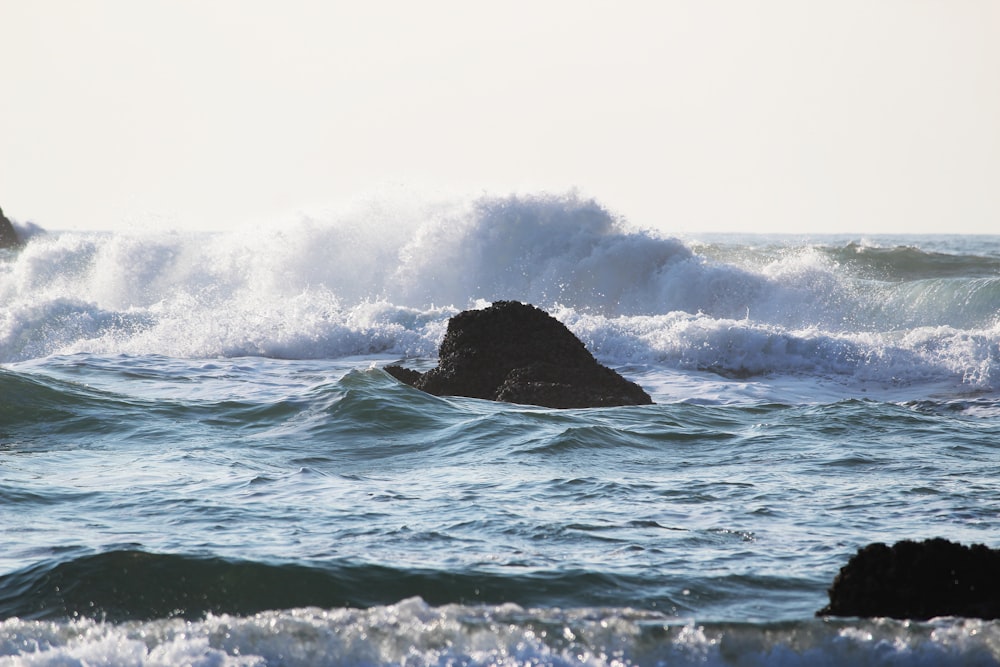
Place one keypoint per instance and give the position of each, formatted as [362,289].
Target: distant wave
[909,263]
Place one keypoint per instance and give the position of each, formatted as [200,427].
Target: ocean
[202,461]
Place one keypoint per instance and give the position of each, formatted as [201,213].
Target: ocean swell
[130,584]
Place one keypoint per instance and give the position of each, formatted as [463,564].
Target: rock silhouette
[918,581]
[8,236]
[518,353]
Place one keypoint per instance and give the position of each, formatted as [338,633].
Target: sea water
[202,462]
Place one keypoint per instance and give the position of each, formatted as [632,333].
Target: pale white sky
[683,115]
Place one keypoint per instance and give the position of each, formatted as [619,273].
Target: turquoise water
[202,462]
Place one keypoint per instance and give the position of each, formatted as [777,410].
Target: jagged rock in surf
[8,236]
[918,581]
[517,353]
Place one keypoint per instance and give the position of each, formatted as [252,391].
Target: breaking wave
[383,280]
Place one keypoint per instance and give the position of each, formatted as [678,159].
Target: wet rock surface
[918,581]
[8,236]
[518,353]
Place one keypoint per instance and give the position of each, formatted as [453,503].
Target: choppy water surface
[201,460]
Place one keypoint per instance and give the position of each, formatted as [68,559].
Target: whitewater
[202,462]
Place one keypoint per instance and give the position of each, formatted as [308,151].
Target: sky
[810,116]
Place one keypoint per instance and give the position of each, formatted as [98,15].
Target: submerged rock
[8,236]
[918,580]
[517,353]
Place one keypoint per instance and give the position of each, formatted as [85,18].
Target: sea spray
[383,280]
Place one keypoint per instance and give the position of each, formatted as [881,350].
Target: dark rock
[404,375]
[918,580]
[517,353]
[8,236]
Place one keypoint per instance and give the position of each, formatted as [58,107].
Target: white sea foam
[414,633]
[384,278]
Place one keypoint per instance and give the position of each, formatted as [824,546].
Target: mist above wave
[546,249]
